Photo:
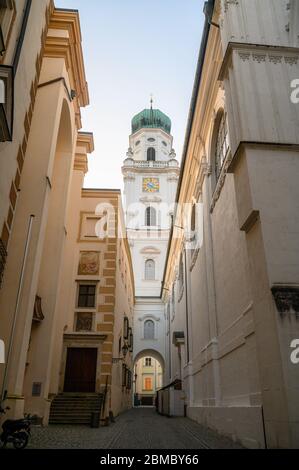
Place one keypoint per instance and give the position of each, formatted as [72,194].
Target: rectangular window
[130,343]
[148,362]
[7,17]
[124,375]
[126,328]
[6,103]
[148,385]
[87,296]
[129,379]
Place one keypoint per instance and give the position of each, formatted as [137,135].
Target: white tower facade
[151,174]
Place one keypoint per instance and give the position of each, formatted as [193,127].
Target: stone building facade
[66,298]
[232,299]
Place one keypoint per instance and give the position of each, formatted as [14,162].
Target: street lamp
[125,350]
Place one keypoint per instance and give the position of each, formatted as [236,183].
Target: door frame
[82,341]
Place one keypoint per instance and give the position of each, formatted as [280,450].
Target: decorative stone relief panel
[89,263]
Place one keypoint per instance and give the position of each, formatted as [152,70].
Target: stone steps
[74,409]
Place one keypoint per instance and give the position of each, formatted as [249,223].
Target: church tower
[151,174]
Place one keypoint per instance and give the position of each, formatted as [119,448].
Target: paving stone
[140,428]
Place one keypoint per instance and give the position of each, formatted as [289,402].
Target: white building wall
[149,243]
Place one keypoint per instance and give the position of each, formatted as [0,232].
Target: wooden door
[80,373]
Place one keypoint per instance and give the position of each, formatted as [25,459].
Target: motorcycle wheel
[20,440]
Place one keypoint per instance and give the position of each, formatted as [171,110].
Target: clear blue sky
[133,48]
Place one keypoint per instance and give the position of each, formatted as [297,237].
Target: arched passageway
[148,377]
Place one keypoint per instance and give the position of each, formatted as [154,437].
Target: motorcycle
[16,432]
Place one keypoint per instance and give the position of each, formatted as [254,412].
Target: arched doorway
[148,377]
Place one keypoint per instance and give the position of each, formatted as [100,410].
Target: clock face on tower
[151,185]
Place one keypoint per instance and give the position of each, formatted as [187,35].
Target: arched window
[221,145]
[181,272]
[151,154]
[150,270]
[149,329]
[150,217]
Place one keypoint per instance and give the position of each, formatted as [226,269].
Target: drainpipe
[187,308]
[12,334]
[21,36]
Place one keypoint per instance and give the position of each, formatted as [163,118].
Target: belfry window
[222,145]
[151,154]
[150,270]
[150,217]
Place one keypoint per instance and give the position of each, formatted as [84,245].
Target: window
[129,379]
[222,145]
[151,139]
[148,384]
[7,16]
[150,270]
[151,154]
[124,375]
[87,296]
[149,330]
[193,220]
[150,217]
[126,328]
[181,273]
[130,342]
[148,362]
[6,103]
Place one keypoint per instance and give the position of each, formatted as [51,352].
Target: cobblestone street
[139,428]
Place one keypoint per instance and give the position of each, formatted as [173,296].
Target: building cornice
[86,139]
[257,51]
[85,145]
[81,163]
[101,193]
[64,41]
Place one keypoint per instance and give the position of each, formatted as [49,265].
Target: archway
[148,377]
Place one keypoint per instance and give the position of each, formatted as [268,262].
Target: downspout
[21,36]
[187,308]
[16,311]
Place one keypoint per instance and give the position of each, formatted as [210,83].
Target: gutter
[208,11]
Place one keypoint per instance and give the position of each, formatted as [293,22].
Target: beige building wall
[231,300]
[24,59]
[46,158]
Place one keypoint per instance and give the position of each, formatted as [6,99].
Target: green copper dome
[151,118]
